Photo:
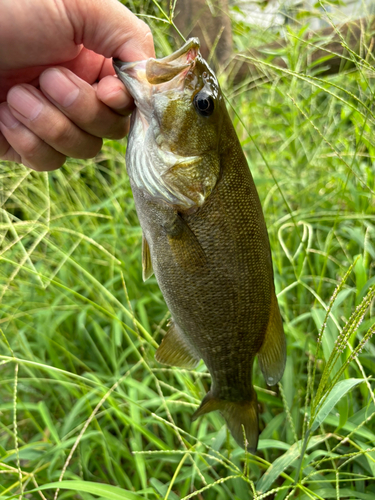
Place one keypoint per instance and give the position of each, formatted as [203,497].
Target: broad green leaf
[69,442]
[343,410]
[104,490]
[353,422]
[344,493]
[27,452]
[45,414]
[360,275]
[339,390]
[341,297]
[265,444]
[281,463]
[162,489]
[136,441]
[329,337]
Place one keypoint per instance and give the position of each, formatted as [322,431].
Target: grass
[82,399]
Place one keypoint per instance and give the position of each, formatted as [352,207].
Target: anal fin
[147,270]
[239,416]
[174,350]
[272,354]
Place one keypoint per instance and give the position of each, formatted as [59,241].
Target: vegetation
[82,399]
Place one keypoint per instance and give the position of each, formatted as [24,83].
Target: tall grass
[83,401]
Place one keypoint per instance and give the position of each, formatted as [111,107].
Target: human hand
[51,54]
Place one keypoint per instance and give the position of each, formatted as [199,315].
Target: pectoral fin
[175,350]
[272,354]
[185,246]
[147,270]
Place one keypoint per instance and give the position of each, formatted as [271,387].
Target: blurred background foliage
[82,398]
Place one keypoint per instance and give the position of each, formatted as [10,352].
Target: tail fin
[238,415]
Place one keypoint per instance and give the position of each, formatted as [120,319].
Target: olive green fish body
[206,241]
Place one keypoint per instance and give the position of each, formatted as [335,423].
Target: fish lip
[190,49]
[162,70]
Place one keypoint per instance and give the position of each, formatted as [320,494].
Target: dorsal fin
[175,349]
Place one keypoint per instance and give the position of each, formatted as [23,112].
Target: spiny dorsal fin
[175,350]
[239,416]
[147,270]
[272,354]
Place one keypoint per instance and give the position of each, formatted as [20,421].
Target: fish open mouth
[164,70]
[159,71]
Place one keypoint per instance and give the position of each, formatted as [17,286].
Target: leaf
[343,410]
[338,391]
[281,463]
[162,489]
[104,490]
[329,337]
[360,275]
[272,444]
[45,414]
[350,426]
[344,493]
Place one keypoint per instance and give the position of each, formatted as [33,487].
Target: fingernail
[60,87]
[7,119]
[25,102]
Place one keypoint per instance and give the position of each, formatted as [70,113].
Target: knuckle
[37,155]
[72,141]
[87,117]
[31,147]
[60,132]
[11,155]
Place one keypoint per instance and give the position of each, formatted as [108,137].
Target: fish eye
[204,103]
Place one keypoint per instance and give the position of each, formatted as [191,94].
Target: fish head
[175,131]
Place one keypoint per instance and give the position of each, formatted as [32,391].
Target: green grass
[81,397]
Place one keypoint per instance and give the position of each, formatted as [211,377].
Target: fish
[204,235]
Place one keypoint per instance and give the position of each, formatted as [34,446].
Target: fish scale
[204,234]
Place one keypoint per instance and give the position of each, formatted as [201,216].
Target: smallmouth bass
[204,234]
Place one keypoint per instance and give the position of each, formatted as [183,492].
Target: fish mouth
[159,71]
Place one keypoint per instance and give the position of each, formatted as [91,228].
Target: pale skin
[58,93]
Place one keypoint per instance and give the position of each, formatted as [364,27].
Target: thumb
[108,28]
